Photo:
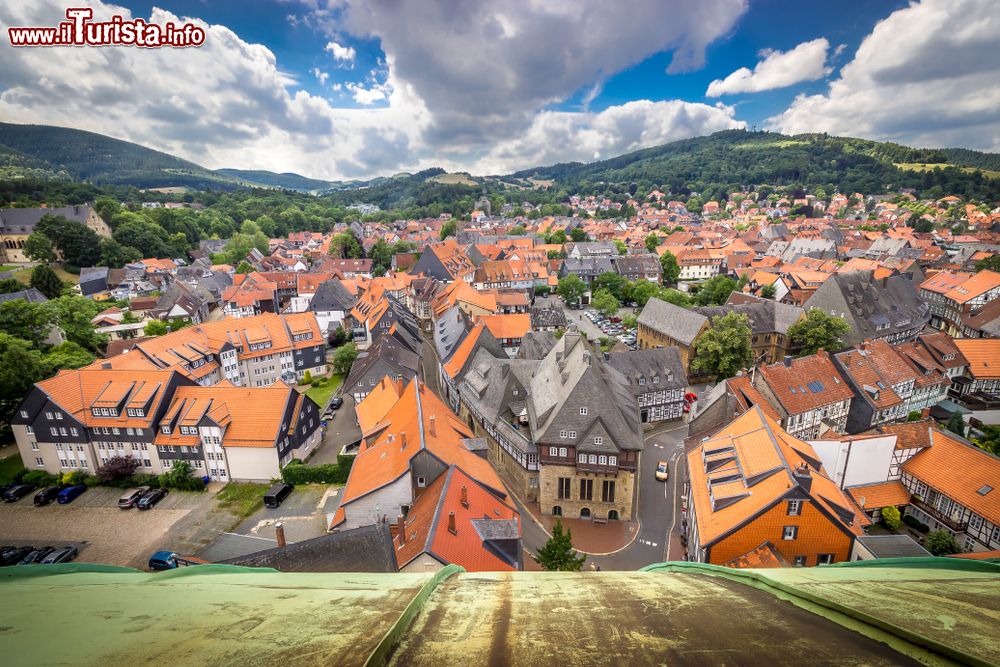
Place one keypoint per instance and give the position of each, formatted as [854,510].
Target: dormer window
[599,440]
[583,411]
[165,430]
[641,381]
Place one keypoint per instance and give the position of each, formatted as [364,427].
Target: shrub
[40,478]
[327,473]
[942,543]
[179,477]
[890,517]
[319,382]
[75,477]
[145,479]
[118,469]
[307,378]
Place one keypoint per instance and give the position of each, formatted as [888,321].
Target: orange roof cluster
[977,285]
[965,473]
[880,494]
[806,383]
[745,468]
[81,391]
[983,355]
[507,326]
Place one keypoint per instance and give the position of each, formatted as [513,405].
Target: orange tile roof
[511,325]
[806,384]
[880,494]
[760,467]
[983,355]
[377,403]
[960,471]
[77,391]
[462,353]
[764,556]
[748,396]
[978,284]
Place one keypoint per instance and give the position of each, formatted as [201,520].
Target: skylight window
[986,488]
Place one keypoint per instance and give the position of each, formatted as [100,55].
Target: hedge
[297,472]
[916,524]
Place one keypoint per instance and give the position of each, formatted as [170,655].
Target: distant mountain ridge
[706,164]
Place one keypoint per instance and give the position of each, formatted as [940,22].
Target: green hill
[269,179]
[717,163]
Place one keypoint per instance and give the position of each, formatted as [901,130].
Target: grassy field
[242,499]
[458,178]
[918,166]
[322,394]
[24,275]
[9,467]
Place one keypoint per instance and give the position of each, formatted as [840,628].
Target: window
[800,561]
[586,489]
[583,411]
[602,459]
[63,431]
[562,433]
[130,431]
[608,491]
[48,415]
[146,463]
[592,459]
[794,508]
[612,460]
[171,448]
[116,430]
[24,414]
[790,533]
[39,461]
[824,559]
[599,440]
[642,380]
[29,430]
[571,435]
[562,452]
[58,415]
[34,446]
[421,482]
[564,488]
[553,451]
[582,458]
[165,429]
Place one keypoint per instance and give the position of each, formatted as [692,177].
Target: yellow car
[662,471]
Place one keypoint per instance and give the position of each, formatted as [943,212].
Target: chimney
[821,353]
[279,534]
[451,524]
[925,413]
[401,529]
[788,361]
[864,345]
[465,497]
[431,427]
[402,437]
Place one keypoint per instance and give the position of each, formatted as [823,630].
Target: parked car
[662,471]
[18,491]
[276,494]
[150,498]
[131,497]
[6,487]
[36,556]
[62,555]
[70,493]
[168,560]
[336,402]
[14,555]
[47,495]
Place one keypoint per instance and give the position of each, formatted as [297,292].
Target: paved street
[341,431]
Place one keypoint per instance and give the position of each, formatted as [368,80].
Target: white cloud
[806,62]
[472,100]
[339,52]
[927,75]
[320,75]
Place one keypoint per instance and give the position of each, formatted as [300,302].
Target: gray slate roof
[364,549]
[31,295]
[664,364]
[681,324]
[332,295]
[536,344]
[23,220]
[551,316]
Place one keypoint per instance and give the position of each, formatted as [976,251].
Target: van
[276,494]
[70,493]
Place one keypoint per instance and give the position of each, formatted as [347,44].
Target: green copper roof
[906,611]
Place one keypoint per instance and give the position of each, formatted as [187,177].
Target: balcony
[957,526]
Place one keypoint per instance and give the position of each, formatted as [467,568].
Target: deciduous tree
[38,247]
[343,358]
[724,349]
[715,291]
[571,289]
[816,331]
[605,303]
[652,241]
[45,280]
[671,269]
[942,543]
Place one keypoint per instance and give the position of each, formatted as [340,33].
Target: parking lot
[183,521]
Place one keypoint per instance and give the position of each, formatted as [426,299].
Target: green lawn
[9,267]
[322,394]
[242,499]
[9,467]
[24,275]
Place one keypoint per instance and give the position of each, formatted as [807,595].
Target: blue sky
[357,88]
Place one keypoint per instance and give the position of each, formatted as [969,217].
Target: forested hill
[720,162]
[284,181]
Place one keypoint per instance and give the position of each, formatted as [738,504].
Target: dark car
[36,556]
[17,492]
[47,495]
[62,555]
[131,497]
[14,555]
[70,493]
[336,402]
[150,498]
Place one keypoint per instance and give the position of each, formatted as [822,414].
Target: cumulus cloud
[472,99]
[806,62]
[927,75]
[339,52]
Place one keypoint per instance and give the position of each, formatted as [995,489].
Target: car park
[18,491]
[47,495]
[150,498]
[70,493]
[131,497]
[662,471]
[36,556]
[61,555]
[14,555]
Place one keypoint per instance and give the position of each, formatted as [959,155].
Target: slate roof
[551,316]
[364,549]
[31,295]
[764,316]
[663,364]
[536,344]
[892,303]
[681,324]
[23,220]
[389,351]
